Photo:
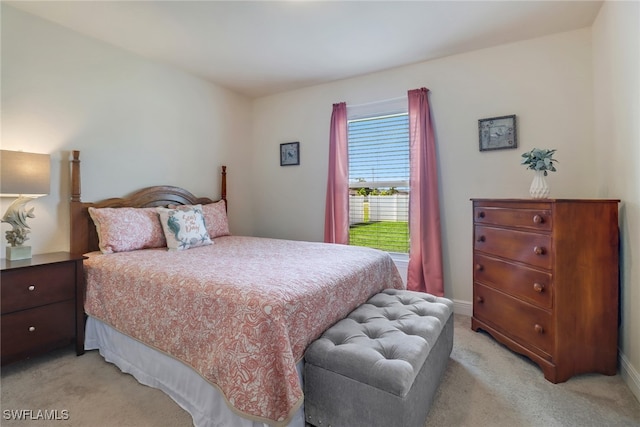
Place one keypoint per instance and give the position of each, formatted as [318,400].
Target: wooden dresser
[545,281]
[42,305]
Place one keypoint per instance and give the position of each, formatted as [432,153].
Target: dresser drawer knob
[538,287]
[32,288]
[480,214]
[539,250]
[539,329]
[32,328]
[481,239]
[479,267]
[480,299]
[537,219]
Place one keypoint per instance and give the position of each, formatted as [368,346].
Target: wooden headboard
[84,237]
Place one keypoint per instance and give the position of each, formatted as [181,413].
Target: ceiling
[264,47]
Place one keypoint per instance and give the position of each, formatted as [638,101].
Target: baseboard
[629,375]
[463,307]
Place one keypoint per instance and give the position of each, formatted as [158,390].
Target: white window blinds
[379,180]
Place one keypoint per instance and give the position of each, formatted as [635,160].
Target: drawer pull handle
[32,288]
[479,267]
[537,219]
[481,214]
[481,239]
[539,250]
[538,287]
[539,329]
[32,328]
[480,299]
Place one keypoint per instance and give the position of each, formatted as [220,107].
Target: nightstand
[42,305]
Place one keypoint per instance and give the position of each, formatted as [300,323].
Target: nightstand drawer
[40,328]
[532,285]
[35,286]
[530,248]
[516,319]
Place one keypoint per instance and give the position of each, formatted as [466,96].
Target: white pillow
[184,227]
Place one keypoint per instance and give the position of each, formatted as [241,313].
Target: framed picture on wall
[290,154]
[497,133]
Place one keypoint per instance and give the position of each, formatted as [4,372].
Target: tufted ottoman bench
[382,364]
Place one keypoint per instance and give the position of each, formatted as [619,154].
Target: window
[379,181]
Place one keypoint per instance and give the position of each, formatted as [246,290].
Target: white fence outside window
[378,208]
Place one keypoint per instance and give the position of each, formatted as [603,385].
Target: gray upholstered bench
[382,364]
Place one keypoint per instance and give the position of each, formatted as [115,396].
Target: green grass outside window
[389,236]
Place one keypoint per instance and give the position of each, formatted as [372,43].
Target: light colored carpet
[484,385]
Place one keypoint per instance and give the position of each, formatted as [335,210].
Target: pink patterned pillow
[215,219]
[127,229]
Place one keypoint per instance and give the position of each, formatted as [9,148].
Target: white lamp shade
[24,174]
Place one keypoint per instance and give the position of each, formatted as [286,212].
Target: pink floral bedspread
[240,312]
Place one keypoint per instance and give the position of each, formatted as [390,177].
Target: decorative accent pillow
[127,229]
[215,219]
[184,227]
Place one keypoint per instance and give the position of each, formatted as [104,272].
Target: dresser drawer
[530,248]
[534,286]
[38,328]
[35,286]
[535,219]
[528,325]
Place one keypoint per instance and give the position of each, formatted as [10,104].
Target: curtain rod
[366,104]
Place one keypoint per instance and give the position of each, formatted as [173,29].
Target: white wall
[616,64]
[546,82]
[140,123]
[137,123]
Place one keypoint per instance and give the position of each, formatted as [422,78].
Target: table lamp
[25,176]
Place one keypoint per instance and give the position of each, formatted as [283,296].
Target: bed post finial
[75,176]
[223,192]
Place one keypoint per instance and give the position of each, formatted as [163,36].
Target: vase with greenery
[542,162]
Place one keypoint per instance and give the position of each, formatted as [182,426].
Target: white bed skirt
[155,369]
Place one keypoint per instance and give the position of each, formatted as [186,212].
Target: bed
[221,327]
